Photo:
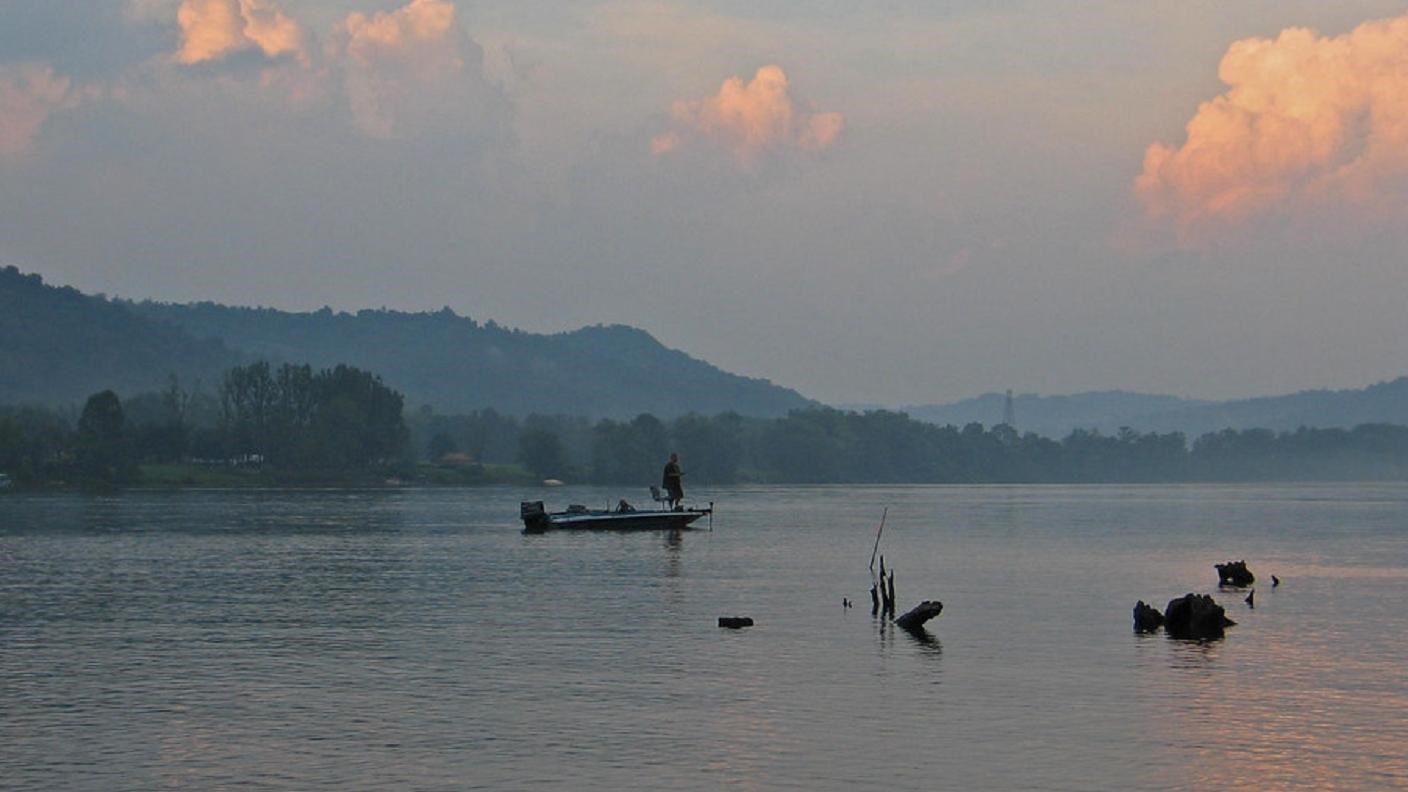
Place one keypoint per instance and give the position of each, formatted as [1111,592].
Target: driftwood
[924,611]
[735,622]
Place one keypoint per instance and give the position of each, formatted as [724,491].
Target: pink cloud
[214,29]
[1309,123]
[749,118]
[407,66]
[29,94]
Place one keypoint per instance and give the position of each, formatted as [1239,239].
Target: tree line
[829,446]
[335,421]
[343,422]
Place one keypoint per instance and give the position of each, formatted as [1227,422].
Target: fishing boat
[624,517]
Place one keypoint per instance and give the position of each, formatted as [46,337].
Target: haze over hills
[1108,411]
[60,345]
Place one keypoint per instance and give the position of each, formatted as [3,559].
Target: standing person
[673,481]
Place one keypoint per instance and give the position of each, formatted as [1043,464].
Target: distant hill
[455,364]
[58,346]
[1054,416]
[1107,411]
[1385,402]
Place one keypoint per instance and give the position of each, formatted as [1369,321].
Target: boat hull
[537,520]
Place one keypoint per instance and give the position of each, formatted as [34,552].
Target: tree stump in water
[1195,616]
[1147,618]
[1234,573]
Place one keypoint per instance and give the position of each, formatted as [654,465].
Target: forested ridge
[58,346]
[456,364]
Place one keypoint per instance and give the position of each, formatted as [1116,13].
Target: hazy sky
[899,201]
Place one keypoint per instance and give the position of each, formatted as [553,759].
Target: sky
[893,202]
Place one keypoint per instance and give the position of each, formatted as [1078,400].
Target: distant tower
[1009,411]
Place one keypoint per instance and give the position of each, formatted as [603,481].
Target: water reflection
[926,641]
[1193,654]
[1264,708]
[892,637]
[674,547]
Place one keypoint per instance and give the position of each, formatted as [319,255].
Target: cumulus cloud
[214,29]
[410,67]
[29,94]
[1309,122]
[402,72]
[750,118]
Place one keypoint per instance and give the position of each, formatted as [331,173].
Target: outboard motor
[535,517]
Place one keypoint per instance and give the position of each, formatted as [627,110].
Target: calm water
[419,640]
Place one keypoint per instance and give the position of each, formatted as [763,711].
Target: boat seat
[656,496]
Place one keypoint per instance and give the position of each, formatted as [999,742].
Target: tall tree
[540,451]
[103,450]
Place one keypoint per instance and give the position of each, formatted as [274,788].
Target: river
[418,639]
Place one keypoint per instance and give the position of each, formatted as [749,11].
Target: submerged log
[1147,618]
[924,611]
[1234,573]
[1195,616]
[735,622]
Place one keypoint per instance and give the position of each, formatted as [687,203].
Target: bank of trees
[293,417]
[299,424]
[290,419]
[824,446]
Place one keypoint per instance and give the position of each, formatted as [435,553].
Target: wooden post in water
[890,592]
[887,591]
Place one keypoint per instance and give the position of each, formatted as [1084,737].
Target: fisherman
[672,481]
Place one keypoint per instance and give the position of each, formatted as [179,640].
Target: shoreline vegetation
[292,426]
